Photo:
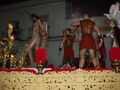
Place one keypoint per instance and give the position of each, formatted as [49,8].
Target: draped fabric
[69,53]
[68,47]
[102,55]
[70,70]
[115,54]
[19,70]
[41,55]
[87,42]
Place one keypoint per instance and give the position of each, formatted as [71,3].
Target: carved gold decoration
[40,67]
[21,59]
[6,45]
[116,66]
[65,80]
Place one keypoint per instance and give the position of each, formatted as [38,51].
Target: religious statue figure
[67,44]
[39,37]
[114,22]
[87,43]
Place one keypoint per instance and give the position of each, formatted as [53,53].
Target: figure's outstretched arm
[100,44]
[62,43]
[41,26]
[109,34]
[97,30]
[75,24]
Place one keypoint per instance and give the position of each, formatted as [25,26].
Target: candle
[10,26]
[12,37]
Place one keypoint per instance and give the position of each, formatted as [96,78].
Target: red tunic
[87,41]
[68,47]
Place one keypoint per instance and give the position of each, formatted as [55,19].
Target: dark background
[75,8]
[6,2]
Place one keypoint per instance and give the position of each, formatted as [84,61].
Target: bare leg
[30,56]
[94,60]
[82,62]
[82,58]
[32,63]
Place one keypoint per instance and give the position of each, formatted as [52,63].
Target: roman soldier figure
[87,43]
[67,43]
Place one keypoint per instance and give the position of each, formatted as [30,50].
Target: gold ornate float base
[116,66]
[75,80]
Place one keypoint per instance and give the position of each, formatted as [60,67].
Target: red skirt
[68,52]
[87,42]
